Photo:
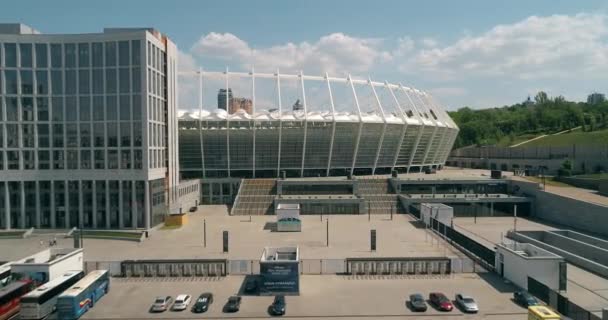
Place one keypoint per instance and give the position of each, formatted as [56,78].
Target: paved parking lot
[320,297]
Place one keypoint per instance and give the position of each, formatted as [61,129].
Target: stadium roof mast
[405,124]
[440,117]
[419,115]
[383,127]
[427,108]
[305,121]
[333,129]
[200,118]
[352,168]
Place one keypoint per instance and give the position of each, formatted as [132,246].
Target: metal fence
[561,303]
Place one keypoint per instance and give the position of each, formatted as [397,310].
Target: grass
[597,176]
[11,233]
[506,141]
[113,234]
[170,227]
[581,138]
[548,181]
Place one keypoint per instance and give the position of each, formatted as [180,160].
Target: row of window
[56,204]
[157,159]
[71,108]
[71,82]
[72,159]
[74,135]
[71,55]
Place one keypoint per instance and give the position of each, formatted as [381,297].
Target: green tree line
[540,115]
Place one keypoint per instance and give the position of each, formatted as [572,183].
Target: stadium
[258,125]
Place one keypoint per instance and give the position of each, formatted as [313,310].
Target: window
[110,80]
[125,159]
[137,139]
[112,135]
[125,82]
[42,82]
[110,54]
[57,109]
[43,136]
[85,109]
[73,160]
[83,55]
[12,160]
[100,162]
[58,161]
[27,107]
[85,135]
[98,108]
[57,82]
[125,134]
[72,135]
[27,135]
[71,109]
[136,106]
[12,109]
[83,82]
[10,55]
[56,55]
[70,55]
[97,54]
[112,159]
[58,136]
[99,134]
[12,135]
[125,108]
[136,79]
[10,80]
[85,159]
[43,108]
[135,52]
[111,113]
[44,160]
[41,55]
[27,82]
[97,81]
[123,53]
[25,50]
[70,82]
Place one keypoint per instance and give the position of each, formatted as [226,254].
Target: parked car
[181,302]
[441,301]
[233,304]
[467,303]
[192,209]
[417,302]
[161,304]
[524,299]
[251,285]
[277,308]
[203,302]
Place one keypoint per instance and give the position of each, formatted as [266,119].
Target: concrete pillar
[38,207]
[7,206]
[147,210]
[53,213]
[107,204]
[94,204]
[22,198]
[133,206]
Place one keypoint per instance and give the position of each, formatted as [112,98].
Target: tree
[541,97]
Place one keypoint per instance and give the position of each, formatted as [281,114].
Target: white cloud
[336,53]
[535,48]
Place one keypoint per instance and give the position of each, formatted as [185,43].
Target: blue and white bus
[42,301]
[83,295]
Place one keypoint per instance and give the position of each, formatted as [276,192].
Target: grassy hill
[581,138]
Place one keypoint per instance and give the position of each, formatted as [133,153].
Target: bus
[41,302]
[83,295]
[542,313]
[10,295]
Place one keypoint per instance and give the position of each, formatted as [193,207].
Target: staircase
[379,196]
[255,197]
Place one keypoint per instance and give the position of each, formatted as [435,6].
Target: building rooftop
[528,251]
[280,254]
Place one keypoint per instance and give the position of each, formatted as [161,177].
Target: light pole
[327,233]
[205,233]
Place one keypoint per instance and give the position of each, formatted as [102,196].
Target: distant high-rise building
[596,98]
[298,106]
[240,103]
[222,101]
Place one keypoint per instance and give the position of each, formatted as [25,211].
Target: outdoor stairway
[379,196]
[255,197]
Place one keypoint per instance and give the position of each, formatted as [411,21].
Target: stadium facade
[87,125]
[310,126]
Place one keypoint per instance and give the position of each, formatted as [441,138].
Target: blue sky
[476,53]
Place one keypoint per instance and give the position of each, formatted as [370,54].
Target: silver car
[161,304]
[182,302]
[467,303]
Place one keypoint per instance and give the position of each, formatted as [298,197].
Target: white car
[467,303]
[181,302]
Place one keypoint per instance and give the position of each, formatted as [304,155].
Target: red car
[441,301]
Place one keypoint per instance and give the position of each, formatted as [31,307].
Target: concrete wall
[517,269]
[570,257]
[584,238]
[566,211]
[604,187]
